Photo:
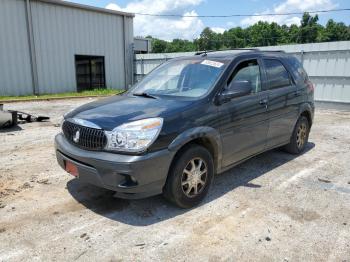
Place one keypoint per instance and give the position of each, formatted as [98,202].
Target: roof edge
[86,7]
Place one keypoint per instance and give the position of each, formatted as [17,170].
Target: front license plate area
[72,169]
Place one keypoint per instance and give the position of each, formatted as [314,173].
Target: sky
[189,28]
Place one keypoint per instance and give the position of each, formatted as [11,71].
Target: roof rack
[276,51]
[232,49]
[254,49]
[204,52]
[248,49]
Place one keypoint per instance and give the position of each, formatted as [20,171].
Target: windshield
[187,78]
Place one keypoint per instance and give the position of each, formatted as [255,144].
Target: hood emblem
[76,136]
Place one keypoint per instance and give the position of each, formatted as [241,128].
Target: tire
[300,136]
[186,176]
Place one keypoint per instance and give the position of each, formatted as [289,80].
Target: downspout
[32,54]
[125,54]
[133,59]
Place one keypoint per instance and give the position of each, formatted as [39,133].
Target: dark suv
[188,119]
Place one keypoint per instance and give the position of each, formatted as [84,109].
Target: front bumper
[130,176]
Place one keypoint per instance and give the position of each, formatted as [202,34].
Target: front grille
[88,138]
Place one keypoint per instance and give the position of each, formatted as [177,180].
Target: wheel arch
[307,111]
[207,137]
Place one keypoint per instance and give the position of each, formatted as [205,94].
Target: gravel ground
[275,207]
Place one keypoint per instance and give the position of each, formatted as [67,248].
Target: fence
[328,65]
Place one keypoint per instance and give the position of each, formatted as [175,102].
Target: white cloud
[218,29]
[292,21]
[114,6]
[288,7]
[303,5]
[166,28]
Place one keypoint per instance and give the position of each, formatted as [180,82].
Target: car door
[244,120]
[283,102]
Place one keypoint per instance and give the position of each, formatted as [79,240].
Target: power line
[246,15]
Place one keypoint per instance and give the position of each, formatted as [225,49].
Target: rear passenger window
[298,69]
[277,75]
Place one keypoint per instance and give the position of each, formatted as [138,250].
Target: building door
[90,71]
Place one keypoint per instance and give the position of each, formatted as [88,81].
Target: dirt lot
[275,207]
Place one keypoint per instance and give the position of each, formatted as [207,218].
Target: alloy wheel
[301,135]
[194,177]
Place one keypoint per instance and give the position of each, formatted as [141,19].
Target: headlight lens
[135,136]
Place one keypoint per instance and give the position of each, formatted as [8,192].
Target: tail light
[310,86]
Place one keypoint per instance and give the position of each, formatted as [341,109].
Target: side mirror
[235,89]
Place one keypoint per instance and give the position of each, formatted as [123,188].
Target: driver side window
[247,71]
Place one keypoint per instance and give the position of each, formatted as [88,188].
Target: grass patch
[94,92]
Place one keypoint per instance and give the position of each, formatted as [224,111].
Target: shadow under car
[151,210]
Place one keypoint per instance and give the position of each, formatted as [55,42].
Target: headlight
[135,136]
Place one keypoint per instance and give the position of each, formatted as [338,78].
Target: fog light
[129,181]
[133,179]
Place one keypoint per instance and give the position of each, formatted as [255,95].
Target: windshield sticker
[212,63]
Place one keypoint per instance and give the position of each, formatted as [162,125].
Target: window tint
[247,71]
[297,68]
[277,75]
[185,77]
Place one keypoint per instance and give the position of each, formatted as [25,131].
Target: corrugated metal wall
[328,65]
[15,69]
[60,32]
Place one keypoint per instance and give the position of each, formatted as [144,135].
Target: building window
[90,72]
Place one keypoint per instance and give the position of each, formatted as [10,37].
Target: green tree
[179,45]
[158,46]
[234,38]
[208,40]
[293,34]
[264,34]
[259,34]
[309,28]
[334,32]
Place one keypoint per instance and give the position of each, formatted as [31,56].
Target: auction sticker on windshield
[212,63]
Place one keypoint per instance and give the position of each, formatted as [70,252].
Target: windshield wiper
[144,95]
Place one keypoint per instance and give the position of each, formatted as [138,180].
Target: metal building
[53,46]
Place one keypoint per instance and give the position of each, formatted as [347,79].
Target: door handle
[264,102]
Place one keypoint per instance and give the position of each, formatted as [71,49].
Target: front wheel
[300,136]
[190,177]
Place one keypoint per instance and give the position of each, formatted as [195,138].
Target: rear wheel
[190,177]
[299,137]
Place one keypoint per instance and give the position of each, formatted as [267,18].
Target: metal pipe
[142,67]
[32,52]
[125,54]
[132,64]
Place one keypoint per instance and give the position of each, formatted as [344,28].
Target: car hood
[111,112]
